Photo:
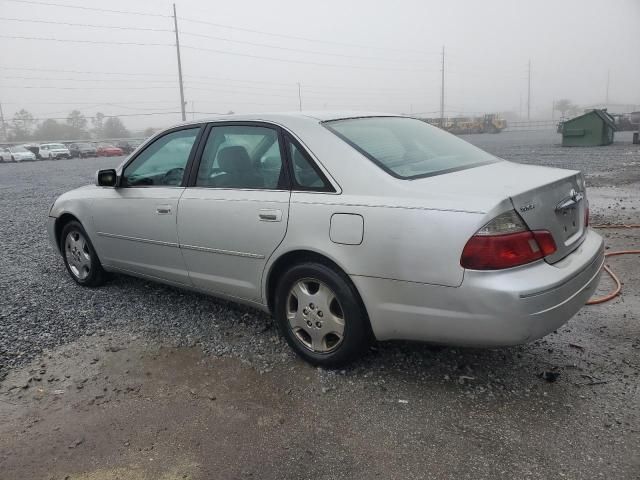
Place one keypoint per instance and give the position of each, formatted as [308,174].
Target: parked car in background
[128,146]
[53,151]
[108,150]
[345,227]
[5,154]
[16,153]
[35,149]
[82,150]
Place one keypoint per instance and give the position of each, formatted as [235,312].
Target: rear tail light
[506,242]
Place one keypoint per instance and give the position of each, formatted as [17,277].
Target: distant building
[593,128]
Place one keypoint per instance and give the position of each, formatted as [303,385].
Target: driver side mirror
[107,178]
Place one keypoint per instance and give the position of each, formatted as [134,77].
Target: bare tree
[563,106]
[22,124]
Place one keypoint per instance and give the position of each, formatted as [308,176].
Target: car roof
[287,117]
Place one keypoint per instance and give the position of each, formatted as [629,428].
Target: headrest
[272,163]
[234,159]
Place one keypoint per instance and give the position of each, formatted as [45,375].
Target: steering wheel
[173,176]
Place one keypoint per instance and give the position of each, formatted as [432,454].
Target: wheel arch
[61,221]
[295,257]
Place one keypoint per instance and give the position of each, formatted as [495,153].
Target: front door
[136,222]
[235,216]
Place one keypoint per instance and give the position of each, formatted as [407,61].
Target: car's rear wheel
[319,312]
[80,257]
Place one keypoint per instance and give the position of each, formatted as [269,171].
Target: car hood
[478,189]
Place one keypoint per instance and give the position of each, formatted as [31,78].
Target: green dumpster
[592,128]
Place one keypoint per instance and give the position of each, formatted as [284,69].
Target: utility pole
[442,93]
[2,125]
[606,101]
[529,93]
[299,97]
[182,104]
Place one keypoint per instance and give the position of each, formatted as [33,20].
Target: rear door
[234,214]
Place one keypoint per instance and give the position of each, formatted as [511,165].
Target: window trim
[326,124]
[193,174]
[328,186]
[155,138]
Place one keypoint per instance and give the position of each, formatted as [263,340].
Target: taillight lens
[506,242]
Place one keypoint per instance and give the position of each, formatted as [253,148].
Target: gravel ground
[404,411]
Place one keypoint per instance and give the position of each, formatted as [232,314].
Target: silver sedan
[346,228]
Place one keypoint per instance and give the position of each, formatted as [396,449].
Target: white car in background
[5,154]
[53,151]
[16,153]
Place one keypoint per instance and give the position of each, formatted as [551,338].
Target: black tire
[95,275]
[357,331]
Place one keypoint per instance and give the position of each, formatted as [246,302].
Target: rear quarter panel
[410,244]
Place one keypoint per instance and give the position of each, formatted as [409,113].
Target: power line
[95,9]
[98,42]
[52,87]
[89,25]
[110,80]
[294,37]
[112,116]
[275,59]
[72,103]
[201,35]
[290,49]
[84,72]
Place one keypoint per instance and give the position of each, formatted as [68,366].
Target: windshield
[18,149]
[84,145]
[408,148]
[54,145]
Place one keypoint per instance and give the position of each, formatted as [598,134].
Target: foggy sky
[391,63]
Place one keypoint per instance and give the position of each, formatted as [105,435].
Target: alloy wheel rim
[77,254]
[315,316]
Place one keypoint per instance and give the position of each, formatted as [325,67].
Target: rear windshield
[408,148]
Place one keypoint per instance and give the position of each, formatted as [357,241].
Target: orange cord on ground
[616,291]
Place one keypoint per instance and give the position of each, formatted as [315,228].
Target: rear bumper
[506,307]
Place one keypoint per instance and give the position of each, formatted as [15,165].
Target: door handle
[270,215]
[163,209]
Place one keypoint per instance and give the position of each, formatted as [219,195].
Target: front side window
[238,156]
[408,148]
[163,162]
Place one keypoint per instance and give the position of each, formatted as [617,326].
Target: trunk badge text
[526,208]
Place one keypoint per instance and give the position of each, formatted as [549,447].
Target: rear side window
[408,148]
[305,174]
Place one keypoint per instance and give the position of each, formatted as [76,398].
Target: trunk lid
[546,198]
[559,207]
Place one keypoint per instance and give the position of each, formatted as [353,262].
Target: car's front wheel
[319,312]
[80,257]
